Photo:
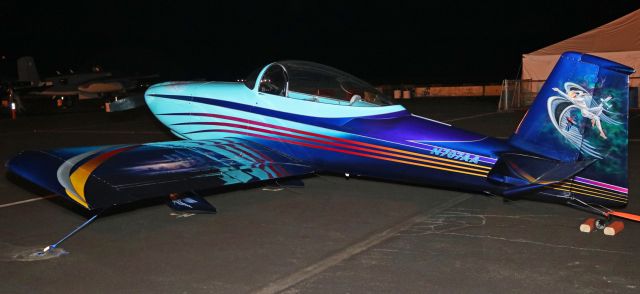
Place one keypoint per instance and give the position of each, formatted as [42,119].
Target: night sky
[383,42]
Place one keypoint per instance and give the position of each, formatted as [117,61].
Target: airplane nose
[148,94]
[169,96]
[153,95]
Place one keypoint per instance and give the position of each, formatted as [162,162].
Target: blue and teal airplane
[295,118]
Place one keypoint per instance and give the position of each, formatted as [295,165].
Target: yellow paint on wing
[80,176]
[77,199]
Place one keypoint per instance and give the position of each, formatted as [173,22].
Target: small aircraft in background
[296,118]
[67,90]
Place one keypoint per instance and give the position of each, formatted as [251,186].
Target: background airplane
[67,90]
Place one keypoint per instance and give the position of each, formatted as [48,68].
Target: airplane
[295,118]
[66,90]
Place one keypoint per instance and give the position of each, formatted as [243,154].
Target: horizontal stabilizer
[527,173]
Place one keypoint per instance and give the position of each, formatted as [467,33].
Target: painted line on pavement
[318,267]
[26,201]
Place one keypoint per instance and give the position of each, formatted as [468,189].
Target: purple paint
[602,185]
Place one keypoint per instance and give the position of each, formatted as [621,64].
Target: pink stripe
[602,185]
[275,167]
[262,160]
[260,165]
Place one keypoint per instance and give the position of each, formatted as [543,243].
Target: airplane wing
[102,176]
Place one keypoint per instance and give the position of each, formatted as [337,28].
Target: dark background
[380,41]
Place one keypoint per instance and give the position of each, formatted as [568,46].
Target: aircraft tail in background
[27,70]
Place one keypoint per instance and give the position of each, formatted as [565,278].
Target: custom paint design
[75,182]
[581,113]
[99,177]
[576,111]
[296,118]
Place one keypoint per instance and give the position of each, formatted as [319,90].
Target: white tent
[618,40]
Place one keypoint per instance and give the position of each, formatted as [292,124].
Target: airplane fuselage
[385,142]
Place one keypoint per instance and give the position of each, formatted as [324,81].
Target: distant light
[62,97]
[13,106]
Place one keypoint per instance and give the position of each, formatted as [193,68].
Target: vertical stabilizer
[581,113]
[27,70]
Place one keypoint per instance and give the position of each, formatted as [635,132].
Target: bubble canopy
[315,82]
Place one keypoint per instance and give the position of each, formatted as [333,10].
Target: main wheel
[601,223]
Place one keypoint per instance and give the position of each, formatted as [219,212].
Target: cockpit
[315,82]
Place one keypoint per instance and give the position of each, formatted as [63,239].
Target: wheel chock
[588,225]
[614,228]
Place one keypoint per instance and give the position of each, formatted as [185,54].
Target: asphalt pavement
[332,236]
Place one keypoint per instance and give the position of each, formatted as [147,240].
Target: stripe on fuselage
[347,146]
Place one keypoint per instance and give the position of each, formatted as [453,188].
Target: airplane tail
[27,70]
[581,114]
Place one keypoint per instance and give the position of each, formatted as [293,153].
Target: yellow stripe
[436,157]
[573,185]
[596,189]
[578,188]
[414,153]
[367,154]
[587,194]
[81,175]
[433,162]
[357,145]
[433,167]
[76,199]
[354,143]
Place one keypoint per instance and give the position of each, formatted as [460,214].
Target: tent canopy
[618,40]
